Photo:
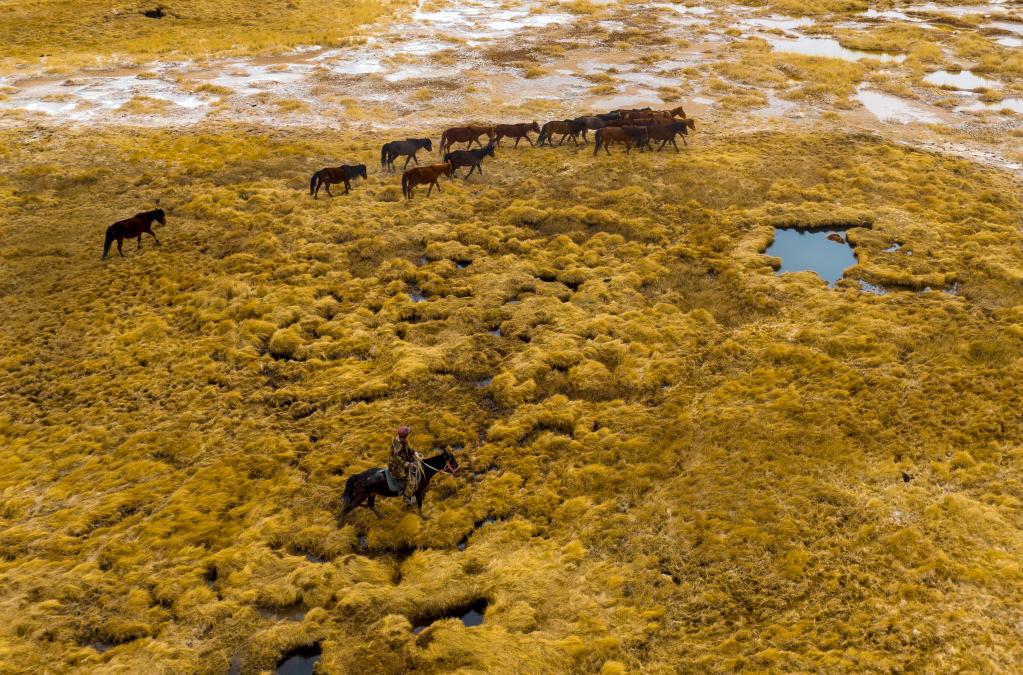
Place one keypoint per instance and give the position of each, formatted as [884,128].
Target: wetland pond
[471,615]
[814,251]
[299,661]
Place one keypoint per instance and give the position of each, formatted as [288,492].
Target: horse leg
[428,191]
[517,139]
[684,141]
[331,194]
[530,141]
[372,504]
[119,251]
[575,139]
[153,235]
[348,185]
[606,149]
[408,158]
[139,245]
[676,144]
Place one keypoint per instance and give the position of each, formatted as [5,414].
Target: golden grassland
[85,32]
[692,463]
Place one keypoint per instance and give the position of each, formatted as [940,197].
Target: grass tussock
[675,459]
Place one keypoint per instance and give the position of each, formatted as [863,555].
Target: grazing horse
[424,175]
[133,227]
[630,136]
[368,485]
[665,133]
[333,175]
[516,131]
[410,146]
[564,127]
[470,134]
[470,158]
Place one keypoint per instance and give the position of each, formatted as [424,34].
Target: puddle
[482,383]
[889,108]
[802,250]
[495,331]
[888,14]
[315,558]
[299,661]
[1013,104]
[462,264]
[1008,26]
[964,80]
[958,10]
[779,22]
[1010,42]
[253,79]
[828,47]
[471,615]
[102,646]
[416,295]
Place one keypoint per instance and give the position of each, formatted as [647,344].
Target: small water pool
[299,661]
[471,616]
[813,250]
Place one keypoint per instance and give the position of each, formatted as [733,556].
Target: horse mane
[149,214]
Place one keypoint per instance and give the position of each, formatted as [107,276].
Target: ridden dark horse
[136,226]
[362,489]
[335,174]
[470,158]
[409,147]
[424,175]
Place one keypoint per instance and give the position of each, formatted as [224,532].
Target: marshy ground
[676,459]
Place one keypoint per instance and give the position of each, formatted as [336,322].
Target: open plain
[673,458]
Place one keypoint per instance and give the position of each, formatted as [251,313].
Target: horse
[410,146]
[665,133]
[470,158]
[564,127]
[470,134]
[133,227]
[423,175]
[333,175]
[368,485]
[629,135]
[591,123]
[516,131]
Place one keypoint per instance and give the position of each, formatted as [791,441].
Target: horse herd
[631,127]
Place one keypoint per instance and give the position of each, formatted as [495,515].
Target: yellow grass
[694,464]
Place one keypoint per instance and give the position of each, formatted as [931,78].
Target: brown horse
[665,133]
[564,127]
[470,134]
[364,488]
[424,175]
[629,135]
[133,227]
[516,131]
[333,175]
[647,112]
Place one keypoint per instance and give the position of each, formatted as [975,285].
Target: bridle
[448,468]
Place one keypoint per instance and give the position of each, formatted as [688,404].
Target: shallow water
[889,108]
[778,21]
[802,250]
[958,10]
[472,617]
[964,80]
[300,661]
[1009,26]
[1013,104]
[828,47]
[1009,42]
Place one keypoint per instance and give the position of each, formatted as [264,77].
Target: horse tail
[404,184]
[444,140]
[109,240]
[383,156]
[597,138]
[312,182]
[349,495]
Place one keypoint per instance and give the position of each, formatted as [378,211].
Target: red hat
[403,431]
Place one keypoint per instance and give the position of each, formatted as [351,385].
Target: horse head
[427,144]
[450,461]
[159,215]
[691,123]
[535,127]
[360,170]
[677,112]
[448,171]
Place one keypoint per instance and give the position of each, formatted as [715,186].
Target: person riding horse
[403,464]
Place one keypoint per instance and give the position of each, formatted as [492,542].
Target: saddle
[394,484]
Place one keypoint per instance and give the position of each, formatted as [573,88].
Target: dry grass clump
[675,459]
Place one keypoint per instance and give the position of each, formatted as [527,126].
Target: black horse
[335,174]
[366,486]
[410,146]
[133,227]
[470,158]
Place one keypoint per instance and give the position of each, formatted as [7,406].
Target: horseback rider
[403,464]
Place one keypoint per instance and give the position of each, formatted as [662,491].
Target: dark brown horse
[409,147]
[333,175]
[470,134]
[564,127]
[424,175]
[516,131]
[136,226]
[362,489]
[629,135]
[592,123]
[665,133]
[470,158]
